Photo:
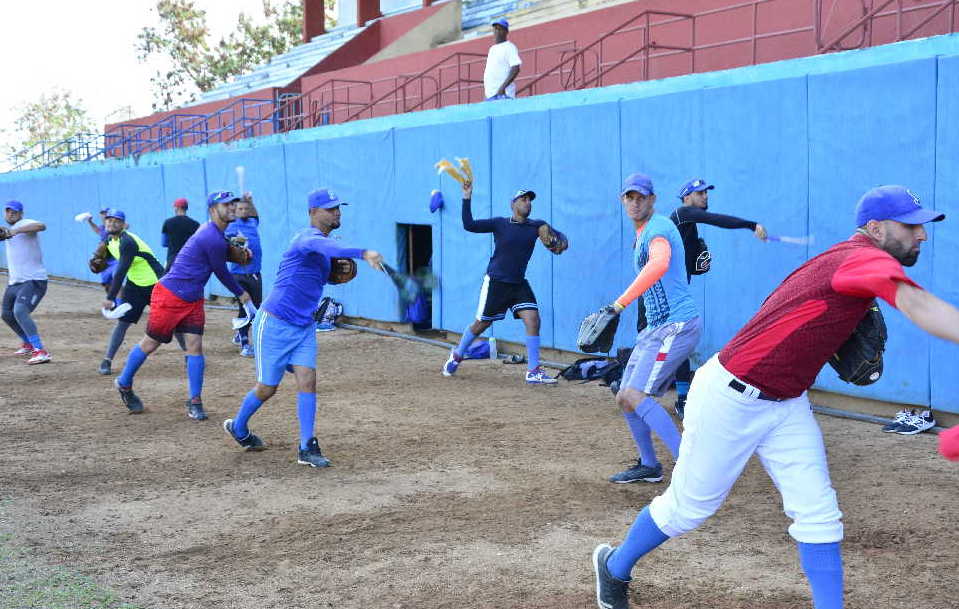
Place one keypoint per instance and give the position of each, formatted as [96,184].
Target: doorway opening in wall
[415,259]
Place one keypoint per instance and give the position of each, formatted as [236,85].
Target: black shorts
[138,297]
[253,284]
[498,297]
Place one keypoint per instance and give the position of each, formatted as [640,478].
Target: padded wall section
[754,142]
[188,180]
[944,382]
[860,136]
[516,164]
[584,148]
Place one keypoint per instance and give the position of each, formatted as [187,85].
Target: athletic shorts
[498,297]
[139,297]
[278,344]
[26,293]
[169,313]
[253,284]
[658,353]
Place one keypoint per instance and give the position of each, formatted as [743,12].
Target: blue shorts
[278,344]
[658,353]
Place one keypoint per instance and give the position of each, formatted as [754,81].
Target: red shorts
[169,313]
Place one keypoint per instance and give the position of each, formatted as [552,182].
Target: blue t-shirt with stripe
[669,299]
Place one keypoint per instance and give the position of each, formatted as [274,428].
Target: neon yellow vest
[140,273]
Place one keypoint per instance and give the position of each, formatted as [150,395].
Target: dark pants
[19,300]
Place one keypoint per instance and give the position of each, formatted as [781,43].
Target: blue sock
[642,437]
[35,341]
[660,422]
[194,372]
[682,389]
[306,413]
[532,351]
[134,361]
[250,405]
[245,336]
[465,342]
[642,537]
[822,563]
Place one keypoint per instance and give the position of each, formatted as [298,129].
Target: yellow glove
[444,166]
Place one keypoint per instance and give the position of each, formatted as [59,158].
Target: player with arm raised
[283,331]
[26,280]
[245,230]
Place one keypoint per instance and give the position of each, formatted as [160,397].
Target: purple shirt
[203,253]
[302,274]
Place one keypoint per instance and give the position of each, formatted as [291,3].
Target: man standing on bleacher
[502,65]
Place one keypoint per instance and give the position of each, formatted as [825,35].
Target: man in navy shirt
[284,338]
[246,230]
[176,304]
[505,287]
[177,230]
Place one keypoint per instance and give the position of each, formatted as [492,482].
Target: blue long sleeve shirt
[513,243]
[204,253]
[249,228]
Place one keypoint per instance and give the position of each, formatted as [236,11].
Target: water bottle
[493,353]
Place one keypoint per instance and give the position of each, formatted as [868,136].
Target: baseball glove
[859,359]
[554,240]
[99,259]
[239,254]
[341,270]
[598,330]
[4,233]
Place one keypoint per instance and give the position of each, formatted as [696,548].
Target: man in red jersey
[751,397]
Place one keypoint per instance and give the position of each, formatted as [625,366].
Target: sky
[89,49]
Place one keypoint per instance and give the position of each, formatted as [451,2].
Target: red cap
[181,203]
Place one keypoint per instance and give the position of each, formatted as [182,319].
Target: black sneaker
[312,455]
[680,406]
[638,473]
[130,399]
[250,442]
[105,368]
[917,423]
[611,593]
[901,417]
[195,411]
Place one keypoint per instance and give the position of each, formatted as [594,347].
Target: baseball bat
[794,240]
[240,179]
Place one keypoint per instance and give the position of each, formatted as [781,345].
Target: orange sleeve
[652,271]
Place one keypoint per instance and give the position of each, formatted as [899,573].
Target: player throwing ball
[176,304]
[284,335]
[751,397]
[505,287]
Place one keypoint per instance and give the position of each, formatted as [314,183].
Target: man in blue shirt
[245,231]
[284,338]
[176,305]
[505,287]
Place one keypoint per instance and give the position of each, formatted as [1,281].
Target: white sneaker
[901,417]
[39,356]
[25,349]
[917,423]
[538,376]
[449,368]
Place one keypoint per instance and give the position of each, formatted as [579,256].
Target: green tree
[41,124]
[196,63]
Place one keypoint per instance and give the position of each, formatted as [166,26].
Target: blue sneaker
[452,363]
[901,417]
[325,326]
[250,442]
[195,411]
[312,455]
[538,376]
[638,473]
[611,593]
[247,351]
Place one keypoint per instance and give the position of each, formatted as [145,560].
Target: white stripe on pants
[723,428]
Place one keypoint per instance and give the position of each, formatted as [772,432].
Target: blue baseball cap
[503,23]
[116,213]
[324,199]
[221,196]
[639,182]
[894,203]
[14,205]
[697,185]
[523,193]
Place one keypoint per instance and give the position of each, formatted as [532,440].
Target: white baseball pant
[722,430]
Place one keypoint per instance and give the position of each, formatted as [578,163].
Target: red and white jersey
[810,315]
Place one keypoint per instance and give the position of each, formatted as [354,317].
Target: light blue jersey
[668,300]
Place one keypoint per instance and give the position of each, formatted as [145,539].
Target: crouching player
[283,331]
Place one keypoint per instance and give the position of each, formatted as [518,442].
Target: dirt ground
[475,491]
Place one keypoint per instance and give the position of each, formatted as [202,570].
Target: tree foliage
[196,63]
[50,119]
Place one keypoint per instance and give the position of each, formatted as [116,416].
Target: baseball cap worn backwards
[116,213]
[503,23]
[324,199]
[697,185]
[14,205]
[221,196]
[639,182]
[894,203]
[523,193]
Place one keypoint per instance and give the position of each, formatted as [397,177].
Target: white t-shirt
[24,259]
[499,60]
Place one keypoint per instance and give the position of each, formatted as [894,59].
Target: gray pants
[19,300]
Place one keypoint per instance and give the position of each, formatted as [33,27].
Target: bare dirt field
[475,491]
